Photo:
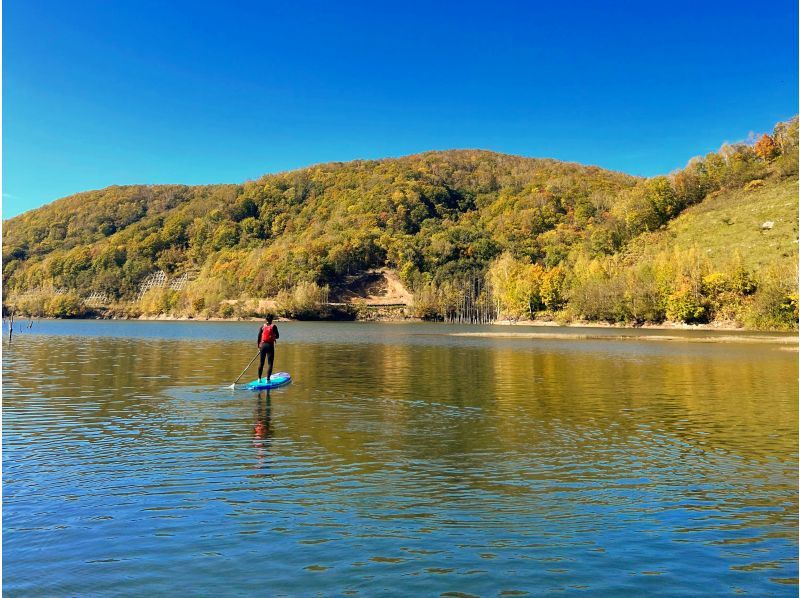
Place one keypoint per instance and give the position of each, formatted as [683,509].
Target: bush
[685,305]
[158,301]
[204,294]
[643,302]
[598,292]
[774,304]
[427,303]
[67,305]
[33,304]
[306,301]
[725,294]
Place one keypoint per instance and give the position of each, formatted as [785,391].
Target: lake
[403,458]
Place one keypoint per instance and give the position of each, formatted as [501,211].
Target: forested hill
[519,229]
[440,213]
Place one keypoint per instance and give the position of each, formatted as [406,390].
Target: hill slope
[462,228]
[436,213]
[731,223]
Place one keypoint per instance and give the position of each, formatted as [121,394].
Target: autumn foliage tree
[766,148]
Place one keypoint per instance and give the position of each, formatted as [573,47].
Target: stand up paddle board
[279,379]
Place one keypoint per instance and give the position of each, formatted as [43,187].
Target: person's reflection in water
[262,430]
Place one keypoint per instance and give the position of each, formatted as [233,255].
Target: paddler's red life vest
[268,334]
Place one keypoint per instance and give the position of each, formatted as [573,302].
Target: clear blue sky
[101,92]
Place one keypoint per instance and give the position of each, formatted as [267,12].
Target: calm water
[402,459]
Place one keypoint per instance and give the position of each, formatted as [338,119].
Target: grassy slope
[730,221]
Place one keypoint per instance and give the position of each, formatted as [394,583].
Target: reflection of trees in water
[726,403]
[390,395]
[581,403]
[591,416]
[419,399]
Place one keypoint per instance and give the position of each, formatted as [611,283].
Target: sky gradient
[97,93]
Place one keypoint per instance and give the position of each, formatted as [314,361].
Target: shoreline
[722,326]
[711,327]
[718,333]
[752,337]
[505,328]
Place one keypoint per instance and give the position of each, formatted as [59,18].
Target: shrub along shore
[671,289]
[676,289]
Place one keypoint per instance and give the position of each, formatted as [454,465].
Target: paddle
[245,369]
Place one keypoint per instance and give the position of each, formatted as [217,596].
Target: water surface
[401,459]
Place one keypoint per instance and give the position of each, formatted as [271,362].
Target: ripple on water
[449,467]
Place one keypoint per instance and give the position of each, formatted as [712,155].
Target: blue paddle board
[274,381]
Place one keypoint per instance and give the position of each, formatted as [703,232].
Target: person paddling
[267,335]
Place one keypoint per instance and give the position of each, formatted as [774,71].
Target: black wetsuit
[267,351]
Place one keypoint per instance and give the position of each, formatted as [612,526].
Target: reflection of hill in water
[448,401]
